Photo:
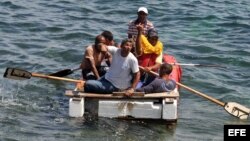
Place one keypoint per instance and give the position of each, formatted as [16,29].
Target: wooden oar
[18,74]
[64,72]
[232,108]
[198,65]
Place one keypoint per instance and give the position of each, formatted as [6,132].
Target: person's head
[126,46]
[100,39]
[142,14]
[102,47]
[165,69]
[109,37]
[152,36]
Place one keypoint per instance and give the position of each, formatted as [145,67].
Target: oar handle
[54,77]
[202,94]
[151,72]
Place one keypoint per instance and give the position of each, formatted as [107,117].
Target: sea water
[50,35]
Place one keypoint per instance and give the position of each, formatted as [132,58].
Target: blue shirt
[158,85]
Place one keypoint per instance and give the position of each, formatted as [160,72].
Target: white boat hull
[150,106]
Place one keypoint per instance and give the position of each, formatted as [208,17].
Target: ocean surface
[46,36]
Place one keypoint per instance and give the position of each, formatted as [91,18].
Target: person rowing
[149,52]
[163,83]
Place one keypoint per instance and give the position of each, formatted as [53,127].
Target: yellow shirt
[148,48]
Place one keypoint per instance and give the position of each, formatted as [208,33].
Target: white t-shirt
[121,69]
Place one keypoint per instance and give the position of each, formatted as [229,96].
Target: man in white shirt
[123,74]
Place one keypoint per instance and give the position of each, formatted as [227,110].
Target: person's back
[158,85]
[161,84]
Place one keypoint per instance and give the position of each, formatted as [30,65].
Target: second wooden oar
[64,72]
[198,65]
[232,108]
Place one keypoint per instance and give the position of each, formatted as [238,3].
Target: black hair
[152,32]
[165,69]
[126,40]
[107,35]
[98,39]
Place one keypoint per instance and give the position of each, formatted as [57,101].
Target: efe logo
[236,132]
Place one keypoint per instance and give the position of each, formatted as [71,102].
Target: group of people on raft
[129,64]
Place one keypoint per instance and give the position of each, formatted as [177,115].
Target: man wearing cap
[141,19]
[149,53]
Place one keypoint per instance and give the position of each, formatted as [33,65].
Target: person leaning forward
[93,57]
[123,74]
[161,84]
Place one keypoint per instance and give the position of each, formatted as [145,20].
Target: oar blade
[17,74]
[237,110]
[62,73]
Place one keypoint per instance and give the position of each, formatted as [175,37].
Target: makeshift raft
[117,105]
[140,106]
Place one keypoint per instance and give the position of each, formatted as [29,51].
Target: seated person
[93,59]
[161,84]
[149,53]
[108,37]
[123,73]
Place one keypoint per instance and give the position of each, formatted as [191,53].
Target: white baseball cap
[143,9]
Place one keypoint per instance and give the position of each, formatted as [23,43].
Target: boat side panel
[149,109]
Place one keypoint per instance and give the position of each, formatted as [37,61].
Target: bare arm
[136,79]
[93,68]
[138,40]
[89,59]
[154,67]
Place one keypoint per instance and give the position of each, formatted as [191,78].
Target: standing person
[141,19]
[161,84]
[93,58]
[123,73]
[149,52]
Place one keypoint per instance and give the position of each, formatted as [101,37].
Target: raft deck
[117,105]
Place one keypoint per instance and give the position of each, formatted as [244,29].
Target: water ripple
[51,35]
